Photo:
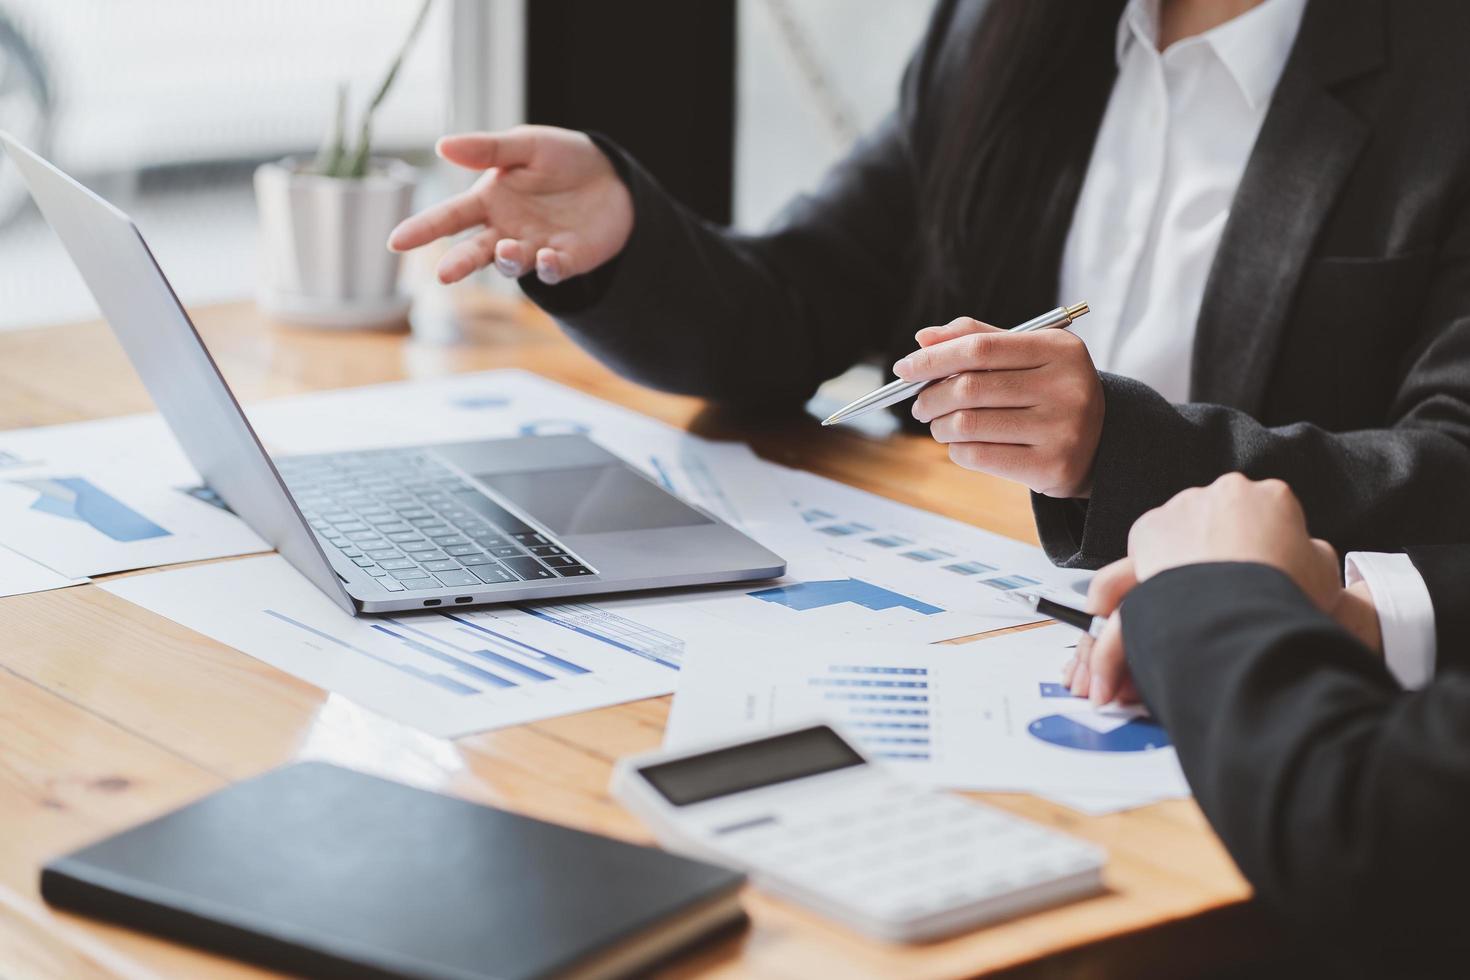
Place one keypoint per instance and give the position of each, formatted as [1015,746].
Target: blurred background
[167,106]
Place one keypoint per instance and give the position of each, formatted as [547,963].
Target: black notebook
[328,872]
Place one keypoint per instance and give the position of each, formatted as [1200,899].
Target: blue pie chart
[1138,735]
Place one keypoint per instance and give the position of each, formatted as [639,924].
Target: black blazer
[1343,798]
[1333,344]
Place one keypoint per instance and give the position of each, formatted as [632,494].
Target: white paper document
[82,522]
[19,575]
[989,715]
[447,674]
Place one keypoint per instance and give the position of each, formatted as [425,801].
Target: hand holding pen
[1023,404]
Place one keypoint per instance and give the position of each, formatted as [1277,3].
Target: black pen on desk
[1076,618]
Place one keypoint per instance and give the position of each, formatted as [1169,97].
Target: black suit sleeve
[759,321]
[1364,490]
[1446,572]
[1342,798]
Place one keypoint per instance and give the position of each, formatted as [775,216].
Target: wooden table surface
[110,715]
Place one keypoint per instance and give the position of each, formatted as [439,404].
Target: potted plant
[324,221]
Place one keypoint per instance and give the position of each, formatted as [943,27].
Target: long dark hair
[1011,146]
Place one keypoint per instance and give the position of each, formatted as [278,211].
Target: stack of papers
[867,578]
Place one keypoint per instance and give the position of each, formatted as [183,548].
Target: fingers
[997,350]
[1109,586]
[552,266]
[1107,666]
[976,389]
[470,255]
[1008,426]
[443,219]
[958,327]
[481,151]
[513,257]
[1082,676]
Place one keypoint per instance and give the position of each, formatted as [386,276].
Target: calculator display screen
[779,759]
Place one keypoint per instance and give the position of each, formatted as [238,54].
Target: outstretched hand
[548,200]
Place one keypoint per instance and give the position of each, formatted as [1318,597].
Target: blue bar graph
[869,669]
[494,680]
[78,499]
[890,725]
[969,568]
[488,655]
[857,682]
[895,740]
[548,658]
[817,595]
[616,631]
[447,683]
[890,541]
[891,712]
[855,696]
[1012,582]
[928,554]
[843,530]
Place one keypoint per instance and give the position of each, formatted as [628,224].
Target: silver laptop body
[542,517]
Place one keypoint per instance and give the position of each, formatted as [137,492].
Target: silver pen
[1076,618]
[897,391]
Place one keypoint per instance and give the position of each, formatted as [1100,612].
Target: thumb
[958,327]
[481,151]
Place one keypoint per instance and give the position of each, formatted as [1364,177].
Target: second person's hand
[548,200]
[1027,407]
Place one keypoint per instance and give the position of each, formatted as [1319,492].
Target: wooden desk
[110,715]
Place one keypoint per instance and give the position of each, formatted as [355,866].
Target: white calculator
[810,819]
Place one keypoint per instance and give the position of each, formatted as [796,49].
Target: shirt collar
[1253,47]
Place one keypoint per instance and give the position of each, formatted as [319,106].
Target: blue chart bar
[891,712]
[969,568]
[817,595]
[510,664]
[494,680]
[640,640]
[843,530]
[447,683]
[666,481]
[1051,689]
[932,554]
[915,756]
[890,541]
[867,669]
[542,655]
[895,740]
[855,696]
[813,516]
[1006,584]
[856,682]
[890,725]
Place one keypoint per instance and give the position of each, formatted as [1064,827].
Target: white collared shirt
[1179,129]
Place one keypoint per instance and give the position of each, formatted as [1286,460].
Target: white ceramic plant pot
[325,260]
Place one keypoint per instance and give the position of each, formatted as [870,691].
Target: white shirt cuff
[1405,613]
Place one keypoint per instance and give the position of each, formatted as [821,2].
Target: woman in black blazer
[1332,343]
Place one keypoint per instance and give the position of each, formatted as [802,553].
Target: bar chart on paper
[447,673]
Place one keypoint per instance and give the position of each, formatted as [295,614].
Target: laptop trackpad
[592,500]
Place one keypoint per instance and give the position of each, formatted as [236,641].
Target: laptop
[462,523]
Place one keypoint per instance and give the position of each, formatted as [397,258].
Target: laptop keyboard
[410,522]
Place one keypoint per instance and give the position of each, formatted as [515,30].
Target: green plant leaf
[361,158]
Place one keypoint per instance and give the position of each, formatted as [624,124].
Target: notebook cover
[329,872]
